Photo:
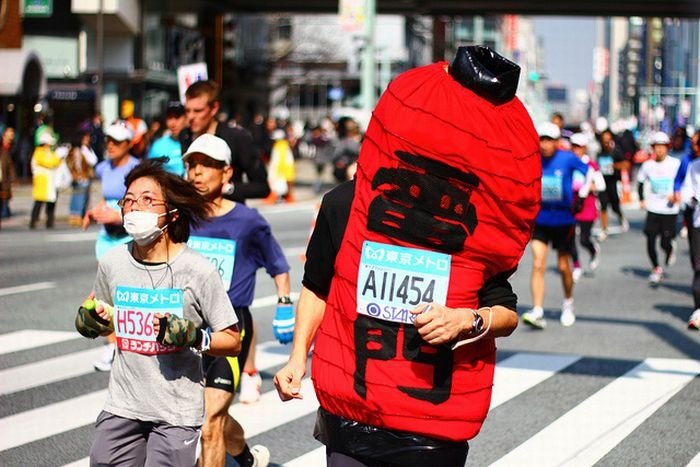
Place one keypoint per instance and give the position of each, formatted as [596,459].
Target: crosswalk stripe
[84,462]
[30,338]
[50,420]
[268,355]
[48,371]
[27,288]
[514,375]
[315,457]
[695,462]
[73,237]
[294,251]
[583,436]
[522,371]
[269,412]
[271,354]
[591,429]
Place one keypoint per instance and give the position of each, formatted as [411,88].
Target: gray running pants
[124,442]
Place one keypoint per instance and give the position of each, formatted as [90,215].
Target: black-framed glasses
[144,201]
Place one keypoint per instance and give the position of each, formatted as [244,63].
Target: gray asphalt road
[630,342]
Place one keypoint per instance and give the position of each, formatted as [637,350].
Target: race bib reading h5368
[393,280]
[133,317]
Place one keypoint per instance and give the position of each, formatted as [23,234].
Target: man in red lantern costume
[406,280]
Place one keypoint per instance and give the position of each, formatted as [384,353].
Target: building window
[284,28]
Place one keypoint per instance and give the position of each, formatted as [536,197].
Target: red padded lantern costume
[442,170]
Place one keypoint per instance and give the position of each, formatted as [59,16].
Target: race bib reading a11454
[393,280]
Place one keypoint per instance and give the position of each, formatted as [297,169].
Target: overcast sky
[568,48]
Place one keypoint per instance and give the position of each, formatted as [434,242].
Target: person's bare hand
[288,381]
[438,324]
[102,214]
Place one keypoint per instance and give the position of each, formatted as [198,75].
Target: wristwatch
[284,300]
[477,323]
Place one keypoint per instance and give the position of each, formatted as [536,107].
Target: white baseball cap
[659,137]
[119,131]
[278,134]
[45,137]
[549,130]
[579,139]
[211,146]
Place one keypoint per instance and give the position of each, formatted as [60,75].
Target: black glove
[578,204]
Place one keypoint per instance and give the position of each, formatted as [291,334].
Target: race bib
[606,165]
[393,280]
[552,188]
[133,317]
[661,186]
[220,251]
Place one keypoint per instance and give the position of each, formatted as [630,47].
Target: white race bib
[552,188]
[393,280]
[133,317]
[220,251]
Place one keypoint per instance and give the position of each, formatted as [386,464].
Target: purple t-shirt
[112,178]
[239,243]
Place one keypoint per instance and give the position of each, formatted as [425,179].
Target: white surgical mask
[143,226]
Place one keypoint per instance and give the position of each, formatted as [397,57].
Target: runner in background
[661,205]
[238,241]
[111,172]
[555,224]
[589,211]
[611,162]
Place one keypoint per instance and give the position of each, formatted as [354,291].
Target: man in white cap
[555,223]
[662,205]
[239,241]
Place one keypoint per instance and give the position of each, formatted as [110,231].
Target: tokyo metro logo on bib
[392,280]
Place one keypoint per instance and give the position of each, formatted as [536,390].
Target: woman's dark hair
[192,207]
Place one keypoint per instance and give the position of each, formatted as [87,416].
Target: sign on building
[38,8]
[188,75]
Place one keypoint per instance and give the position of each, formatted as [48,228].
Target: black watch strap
[478,323]
[284,300]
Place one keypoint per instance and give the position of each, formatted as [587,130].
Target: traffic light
[631,60]
[228,48]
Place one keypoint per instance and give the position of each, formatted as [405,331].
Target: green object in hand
[89,324]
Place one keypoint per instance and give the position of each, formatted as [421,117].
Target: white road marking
[50,420]
[48,371]
[270,412]
[315,457]
[515,375]
[73,237]
[27,288]
[590,430]
[30,338]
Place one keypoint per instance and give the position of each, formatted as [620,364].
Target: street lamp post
[367,83]
[99,52]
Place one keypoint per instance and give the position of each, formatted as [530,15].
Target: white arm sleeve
[586,187]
